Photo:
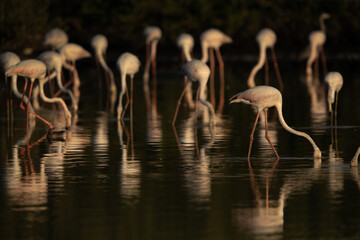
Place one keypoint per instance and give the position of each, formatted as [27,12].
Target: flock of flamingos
[49,64]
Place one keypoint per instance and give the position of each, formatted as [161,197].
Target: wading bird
[317,40]
[213,39]
[35,69]
[70,53]
[152,37]
[197,71]
[54,62]
[186,43]
[334,83]
[264,97]
[100,43]
[127,64]
[266,38]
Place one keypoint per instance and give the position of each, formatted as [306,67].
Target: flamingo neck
[56,99]
[186,51]
[317,152]
[257,67]
[205,52]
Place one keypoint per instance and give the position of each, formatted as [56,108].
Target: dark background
[23,24]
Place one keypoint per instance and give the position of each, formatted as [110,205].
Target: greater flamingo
[317,40]
[55,38]
[262,98]
[354,161]
[127,64]
[266,38]
[152,37]
[197,71]
[54,62]
[213,39]
[100,43]
[186,43]
[71,52]
[35,69]
[334,82]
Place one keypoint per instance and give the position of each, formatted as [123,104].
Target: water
[110,180]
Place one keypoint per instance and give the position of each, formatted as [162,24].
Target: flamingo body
[127,64]
[262,98]
[73,52]
[8,59]
[197,71]
[212,38]
[30,68]
[334,82]
[55,38]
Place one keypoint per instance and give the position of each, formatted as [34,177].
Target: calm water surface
[146,180]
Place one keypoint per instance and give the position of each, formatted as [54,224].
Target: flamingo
[354,161]
[53,62]
[55,38]
[100,43]
[152,36]
[262,98]
[71,52]
[197,71]
[334,82]
[266,38]
[186,43]
[35,69]
[213,39]
[317,40]
[127,64]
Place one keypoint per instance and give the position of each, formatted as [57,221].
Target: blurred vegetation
[24,23]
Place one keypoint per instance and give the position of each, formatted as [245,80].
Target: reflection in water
[196,161]
[101,141]
[268,215]
[130,171]
[336,178]
[26,185]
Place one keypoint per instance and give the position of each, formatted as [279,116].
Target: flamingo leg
[197,99]
[266,133]
[212,76]
[28,110]
[22,98]
[153,65]
[266,71]
[276,66]
[131,97]
[222,80]
[126,104]
[178,105]
[252,134]
[316,69]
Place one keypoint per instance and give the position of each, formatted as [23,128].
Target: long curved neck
[187,53]
[312,57]
[53,100]
[107,69]
[202,99]
[322,24]
[205,52]
[153,50]
[257,67]
[293,131]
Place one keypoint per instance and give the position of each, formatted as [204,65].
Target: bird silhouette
[266,38]
[127,64]
[213,39]
[264,97]
[100,43]
[197,71]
